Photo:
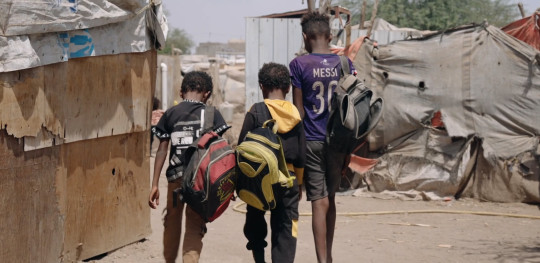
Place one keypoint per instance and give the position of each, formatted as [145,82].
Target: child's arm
[161,155]
[248,125]
[300,161]
[297,101]
[220,126]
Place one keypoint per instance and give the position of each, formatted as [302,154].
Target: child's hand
[153,199]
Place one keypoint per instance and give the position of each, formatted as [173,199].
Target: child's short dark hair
[198,81]
[314,24]
[156,104]
[274,76]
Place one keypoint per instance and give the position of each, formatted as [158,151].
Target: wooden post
[311,5]
[348,34]
[373,15]
[521,10]
[363,14]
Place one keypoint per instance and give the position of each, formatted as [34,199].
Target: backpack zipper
[208,170]
[201,159]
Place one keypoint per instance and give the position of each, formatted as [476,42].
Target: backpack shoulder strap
[347,80]
[345,70]
[208,119]
[262,113]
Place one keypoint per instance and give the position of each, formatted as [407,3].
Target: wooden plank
[106,189]
[54,85]
[80,99]
[252,61]
[70,205]
[43,139]
[31,221]
[105,98]
[62,203]
[21,102]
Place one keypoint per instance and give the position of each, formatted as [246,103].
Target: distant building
[213,49]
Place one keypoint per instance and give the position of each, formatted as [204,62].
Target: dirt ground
[453,235]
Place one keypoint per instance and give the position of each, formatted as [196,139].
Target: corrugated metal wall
[268,39]
[278,40]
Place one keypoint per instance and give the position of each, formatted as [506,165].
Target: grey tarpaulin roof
[485,83]
[37,32]
[38,16]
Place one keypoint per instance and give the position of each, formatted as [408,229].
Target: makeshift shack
[486,86]
[76,85]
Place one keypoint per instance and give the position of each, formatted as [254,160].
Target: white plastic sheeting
[39,33]
[28,51]
[47,16]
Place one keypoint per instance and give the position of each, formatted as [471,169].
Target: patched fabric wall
[485,84]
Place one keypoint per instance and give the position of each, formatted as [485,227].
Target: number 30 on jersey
[320,89]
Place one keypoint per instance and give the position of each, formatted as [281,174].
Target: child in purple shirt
[314,77]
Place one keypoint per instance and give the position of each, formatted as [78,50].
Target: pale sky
[221,20]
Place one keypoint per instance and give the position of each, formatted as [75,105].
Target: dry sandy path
[423,237]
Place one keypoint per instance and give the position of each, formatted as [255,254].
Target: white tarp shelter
[36,32]
[486,85]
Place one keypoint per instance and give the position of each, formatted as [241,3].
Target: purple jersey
[318,76]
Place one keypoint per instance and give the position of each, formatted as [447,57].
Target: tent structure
[526,29]
[485,85]
[76,85]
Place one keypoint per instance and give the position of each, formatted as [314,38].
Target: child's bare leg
[194,233]
[319,209]
[330,226]
[172,224]
[335,164]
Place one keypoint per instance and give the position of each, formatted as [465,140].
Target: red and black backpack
[209,172]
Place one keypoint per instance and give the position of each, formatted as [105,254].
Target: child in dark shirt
[274,81]
[181,125]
